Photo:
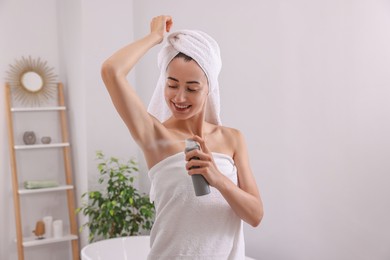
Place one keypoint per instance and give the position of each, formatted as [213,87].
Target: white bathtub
[122,248]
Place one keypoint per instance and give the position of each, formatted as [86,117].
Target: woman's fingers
[200,155]
[204,168]
[203,164]
[197,164]
[168,23]
[202,143]
[198,161]
[161,24]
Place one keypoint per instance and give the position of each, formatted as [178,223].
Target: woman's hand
[205,165]
[243,198]
[161,24]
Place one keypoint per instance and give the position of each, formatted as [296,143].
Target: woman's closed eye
[188,89]
[191,90]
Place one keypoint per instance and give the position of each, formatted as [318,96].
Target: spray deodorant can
[200,184]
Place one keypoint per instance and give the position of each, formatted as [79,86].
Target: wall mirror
[32,81]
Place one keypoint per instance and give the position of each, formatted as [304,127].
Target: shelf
[33,191]
[39,146]
[24,116]
[33,241]
[36,109]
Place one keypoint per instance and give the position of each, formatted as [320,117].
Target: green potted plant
[119,209]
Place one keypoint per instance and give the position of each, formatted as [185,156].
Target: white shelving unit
[32,241]
[67,187]
[39,146]
[35,109]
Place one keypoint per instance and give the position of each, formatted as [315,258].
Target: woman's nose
[180,95]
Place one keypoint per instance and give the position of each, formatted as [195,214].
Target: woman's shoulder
[233,142]
[229,132]
[226,139]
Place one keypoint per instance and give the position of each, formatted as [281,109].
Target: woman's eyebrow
[193,82]
[173,79]
[188,82]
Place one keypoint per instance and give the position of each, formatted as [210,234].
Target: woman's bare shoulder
[226,140]
[230,132]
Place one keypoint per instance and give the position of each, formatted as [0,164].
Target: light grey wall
[71,57]
[22,35]
[307,82]
[74,37]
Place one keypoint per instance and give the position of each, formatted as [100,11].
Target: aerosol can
[201,186]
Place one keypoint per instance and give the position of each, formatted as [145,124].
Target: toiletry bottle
[200,184]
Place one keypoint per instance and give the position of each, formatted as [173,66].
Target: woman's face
[186,88]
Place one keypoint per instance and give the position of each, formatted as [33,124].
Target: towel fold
[205,51]
[40,184]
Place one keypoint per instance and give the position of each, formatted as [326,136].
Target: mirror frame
[32,82]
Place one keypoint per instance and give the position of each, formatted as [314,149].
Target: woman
[186,105]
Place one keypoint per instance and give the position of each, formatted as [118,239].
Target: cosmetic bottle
[200,184]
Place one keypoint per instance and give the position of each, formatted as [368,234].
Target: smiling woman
[186,88]
[185,105]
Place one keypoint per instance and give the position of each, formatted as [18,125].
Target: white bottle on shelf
[48,220]
[57,228]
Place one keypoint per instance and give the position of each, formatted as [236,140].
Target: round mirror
[32,81]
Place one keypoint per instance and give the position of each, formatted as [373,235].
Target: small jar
[46,140]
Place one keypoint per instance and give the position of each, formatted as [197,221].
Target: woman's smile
[181,107]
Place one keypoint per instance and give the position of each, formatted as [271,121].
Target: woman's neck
[188,127]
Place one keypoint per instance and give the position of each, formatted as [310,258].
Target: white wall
[86,41]
[21,36]
[74,37]
[307,82]
[107,27]
[71,57]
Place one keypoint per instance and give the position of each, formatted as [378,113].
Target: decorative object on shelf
[32,81]
[40,184]
[46,140]
[57,228]
[120,210]
[48,220]
[29,137]
[39,229]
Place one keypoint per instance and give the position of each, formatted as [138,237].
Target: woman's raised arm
[114,72]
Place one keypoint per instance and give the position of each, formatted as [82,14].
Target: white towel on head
[205,51]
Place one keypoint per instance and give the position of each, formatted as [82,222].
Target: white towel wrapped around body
[205,51]
[191,227]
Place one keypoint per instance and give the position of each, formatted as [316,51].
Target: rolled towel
[205,51]
[40,184]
